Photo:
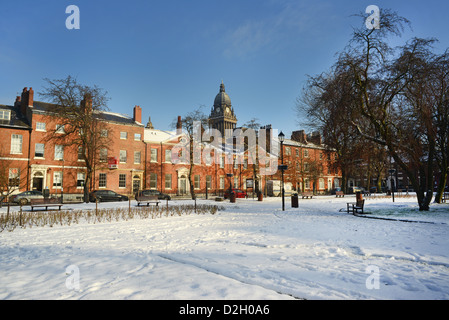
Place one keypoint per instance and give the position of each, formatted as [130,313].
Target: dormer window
[5,116]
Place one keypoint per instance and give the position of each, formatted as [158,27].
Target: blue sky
[170,56]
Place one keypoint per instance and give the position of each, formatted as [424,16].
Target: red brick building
[140,157]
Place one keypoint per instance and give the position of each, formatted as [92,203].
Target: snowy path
[251,250]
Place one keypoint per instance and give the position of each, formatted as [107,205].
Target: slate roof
[16,120]
[44,107]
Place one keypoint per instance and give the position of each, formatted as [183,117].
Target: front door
[136,185]
[38,184]
[183,185]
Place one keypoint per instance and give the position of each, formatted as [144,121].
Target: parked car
[106,195]
[356,189]
[25,197]
[238,193]
[147,192]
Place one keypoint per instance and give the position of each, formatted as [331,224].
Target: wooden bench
[52,202]
[147,200]
[339,194]
[356,207]
[307,195]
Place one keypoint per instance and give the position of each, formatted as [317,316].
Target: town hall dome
[222,99]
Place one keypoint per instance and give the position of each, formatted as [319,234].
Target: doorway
[183,185]
[38,182]
[136,184]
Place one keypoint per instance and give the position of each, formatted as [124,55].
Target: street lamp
[282,167]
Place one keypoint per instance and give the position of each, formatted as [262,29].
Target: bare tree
[394,120]
[12,178]
[193,124]
[78,110]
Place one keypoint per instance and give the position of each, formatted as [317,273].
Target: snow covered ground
[250,250]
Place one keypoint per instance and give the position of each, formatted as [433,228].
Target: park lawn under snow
[249,250]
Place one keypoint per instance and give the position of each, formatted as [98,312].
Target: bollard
[295,200]
[232,197]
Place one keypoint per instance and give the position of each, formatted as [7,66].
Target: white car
[25,197]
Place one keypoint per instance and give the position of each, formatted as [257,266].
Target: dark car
[106,195]
[160,195]
[335,190]
[25,197]
[238,193]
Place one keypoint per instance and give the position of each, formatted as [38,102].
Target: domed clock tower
[222,115]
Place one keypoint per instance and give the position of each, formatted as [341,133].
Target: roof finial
[222,87]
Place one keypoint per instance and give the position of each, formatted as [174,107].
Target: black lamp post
[282,167]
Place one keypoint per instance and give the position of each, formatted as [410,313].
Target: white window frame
[36,148]
[197,181]
[41,126]
[14,173]
[102,183]
[168,181]
[168,156]
[122,180]
[153,155]
[57,179]
[80,176]
[123,156]
[59,152]
[103,155]
[60,128]
[137,157]
[16,143]
[153,181]
[5,115]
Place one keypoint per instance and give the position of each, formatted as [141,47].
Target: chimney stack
[316,138]
[179,126]
[86,104]
[17,102]
[137,114]
[26,100]
[299,136]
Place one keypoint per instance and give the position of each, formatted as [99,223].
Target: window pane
[59,152]
[153,155]
[168,156]
[80,178]
[208,182]
[60,128]
[122,155]
[137,157]
[103,155]
[57,179]
[39,150]
[168,181]
[197,181]
[16,144]
[102,180]
[40,126]
[122,180]
[153,181]
[14,177]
